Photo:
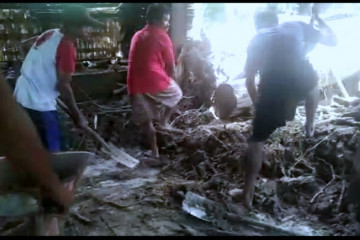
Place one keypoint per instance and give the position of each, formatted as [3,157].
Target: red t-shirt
[65,53]
[66,56]
[150,50]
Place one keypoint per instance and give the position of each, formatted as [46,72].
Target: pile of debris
[306,178]
[195,75]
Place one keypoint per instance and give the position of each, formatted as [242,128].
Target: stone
[236,194]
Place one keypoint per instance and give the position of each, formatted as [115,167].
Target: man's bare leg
[310,107]
[164,123]
[253,167]
[151,134]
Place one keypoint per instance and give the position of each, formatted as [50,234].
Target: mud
[302,186]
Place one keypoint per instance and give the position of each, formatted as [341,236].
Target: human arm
[67,96]
[23,148]
[327,35]
[251,87]
[65,65]
[252,66]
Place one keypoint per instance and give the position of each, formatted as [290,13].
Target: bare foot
[155,152]
[168,127]
[247,202]
[248,196]
[309,130]
[165,126]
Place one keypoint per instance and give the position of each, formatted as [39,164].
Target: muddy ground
[302,188]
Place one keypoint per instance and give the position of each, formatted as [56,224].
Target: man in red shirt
[151,70]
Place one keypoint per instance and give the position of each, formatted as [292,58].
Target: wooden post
[178,24]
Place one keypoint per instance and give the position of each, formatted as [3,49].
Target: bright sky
[229,40]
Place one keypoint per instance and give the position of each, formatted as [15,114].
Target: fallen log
[355,115]
[347,121]
[341,101]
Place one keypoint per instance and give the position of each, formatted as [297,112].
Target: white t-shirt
[37,88]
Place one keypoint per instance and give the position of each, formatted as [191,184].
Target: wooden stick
[118,154]
[341,86]
[328,184]
[216,138]
[119,90]
[341,196]
[108,226]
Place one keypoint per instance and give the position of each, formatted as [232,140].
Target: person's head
[75,19]
[158,14]
[265,19]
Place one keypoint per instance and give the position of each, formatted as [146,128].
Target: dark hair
[72,16]
[265,18]
[155,12]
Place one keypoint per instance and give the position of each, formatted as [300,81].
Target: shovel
[115,153]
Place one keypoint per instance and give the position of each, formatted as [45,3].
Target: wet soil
[302,188]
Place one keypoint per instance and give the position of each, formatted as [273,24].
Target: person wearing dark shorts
[278,54]
[48,127]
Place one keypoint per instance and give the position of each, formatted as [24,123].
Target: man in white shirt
[46,75]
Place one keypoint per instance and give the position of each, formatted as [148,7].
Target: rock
[289,155]
[213,183]
[270,169]
[268,187]
[198,157]
[236,194]
[289,188]
[269,205]
[323,209]
[224,101]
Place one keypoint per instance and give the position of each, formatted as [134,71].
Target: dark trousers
[47,125]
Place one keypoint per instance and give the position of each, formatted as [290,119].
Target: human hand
[57,200]
[80,121]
